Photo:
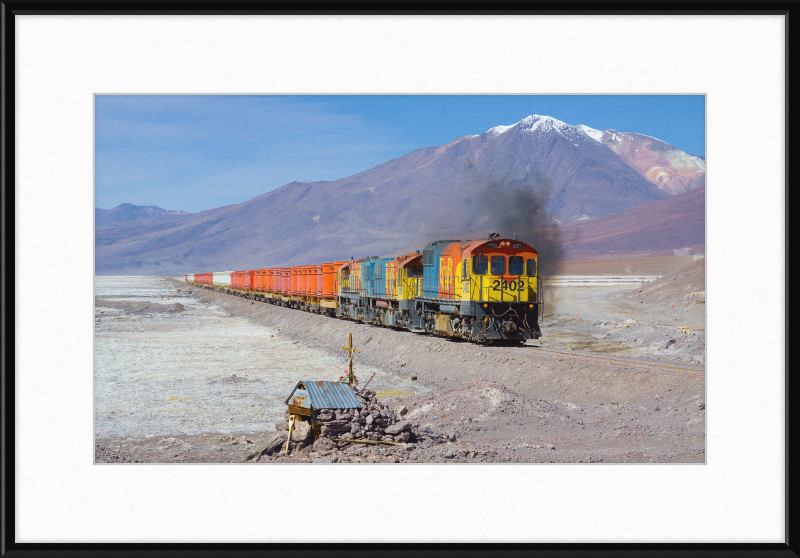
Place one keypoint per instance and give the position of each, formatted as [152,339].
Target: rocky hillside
[666,166]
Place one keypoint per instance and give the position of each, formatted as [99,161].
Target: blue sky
[200,152]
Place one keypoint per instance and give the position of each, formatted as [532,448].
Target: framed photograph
[257,332]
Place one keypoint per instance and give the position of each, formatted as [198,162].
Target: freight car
[486,290]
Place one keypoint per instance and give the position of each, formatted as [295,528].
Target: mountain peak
[538,120]
[662,164]
[531,123]
[544,123]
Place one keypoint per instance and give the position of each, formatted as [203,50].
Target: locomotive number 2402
[498,285]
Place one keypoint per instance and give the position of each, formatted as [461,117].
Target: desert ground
[189,375]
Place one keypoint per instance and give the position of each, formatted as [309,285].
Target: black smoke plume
[522,208]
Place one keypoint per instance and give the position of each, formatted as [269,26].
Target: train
[486,291]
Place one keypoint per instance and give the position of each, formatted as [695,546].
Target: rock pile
[375,421]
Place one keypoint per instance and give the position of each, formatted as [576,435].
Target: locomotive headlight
[530,305]
[486,306]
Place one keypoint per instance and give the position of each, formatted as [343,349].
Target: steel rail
[612,362]
[617,360]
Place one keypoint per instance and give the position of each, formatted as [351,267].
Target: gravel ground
[678,298]
[490,404]
[200,370]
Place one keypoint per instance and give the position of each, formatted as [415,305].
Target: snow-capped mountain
[448,191]
[536,124]
[662,164]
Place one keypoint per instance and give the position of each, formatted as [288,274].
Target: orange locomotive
[480,290]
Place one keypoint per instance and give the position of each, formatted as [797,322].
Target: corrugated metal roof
[328,395]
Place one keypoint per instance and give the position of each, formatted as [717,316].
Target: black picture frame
[10,8]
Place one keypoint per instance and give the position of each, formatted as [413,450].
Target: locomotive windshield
[498,265]
[516,264]
[480,264]
[531,271]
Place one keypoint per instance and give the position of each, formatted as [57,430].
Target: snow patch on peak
[544,123]
[537,120]
[497,130]
[530,124]
[534,122]
[631,134]
[596,135]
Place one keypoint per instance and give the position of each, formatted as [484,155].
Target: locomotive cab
[482,290]
[501,289]
[503,271]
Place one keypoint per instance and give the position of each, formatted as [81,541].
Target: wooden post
[365,385]
[289,437]
[262,449]
[350,361]
[350,377]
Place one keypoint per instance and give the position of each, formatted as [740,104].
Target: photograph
[405,279]
[455,259]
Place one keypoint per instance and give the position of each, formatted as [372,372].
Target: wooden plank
[263,448]
[299,411]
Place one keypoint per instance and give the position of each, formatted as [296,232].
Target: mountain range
[130,212]
[575,174]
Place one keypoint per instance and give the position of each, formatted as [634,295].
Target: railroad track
[611,361]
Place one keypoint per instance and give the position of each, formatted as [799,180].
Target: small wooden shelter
[310,397]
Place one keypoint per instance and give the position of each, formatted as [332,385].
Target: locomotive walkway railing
[441,287]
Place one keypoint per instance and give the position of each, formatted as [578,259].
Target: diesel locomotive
[486,291]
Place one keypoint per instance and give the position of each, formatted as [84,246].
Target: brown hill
[666,166]
[673,226]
